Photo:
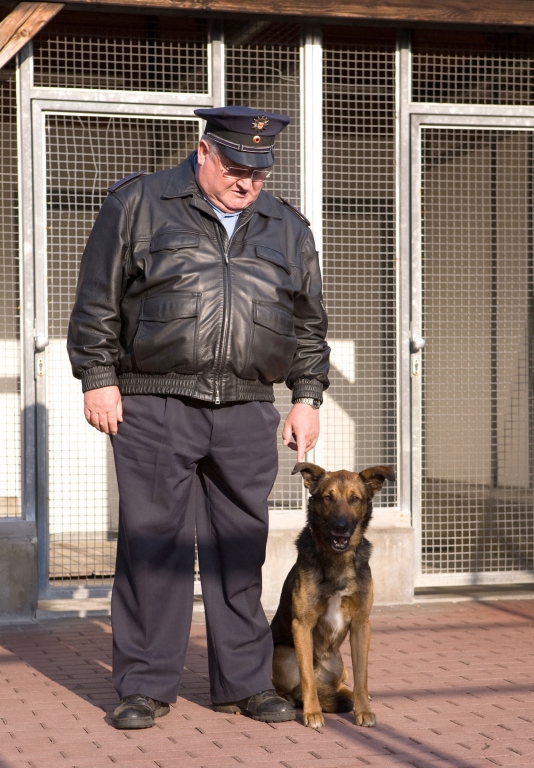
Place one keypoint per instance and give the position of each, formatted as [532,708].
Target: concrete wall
[392,564]
[18,569]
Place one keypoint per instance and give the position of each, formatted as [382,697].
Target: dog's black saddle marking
[126,180]
[295,210]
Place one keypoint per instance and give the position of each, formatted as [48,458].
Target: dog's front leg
[360,637]
[303,639]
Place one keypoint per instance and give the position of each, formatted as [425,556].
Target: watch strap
[314,402]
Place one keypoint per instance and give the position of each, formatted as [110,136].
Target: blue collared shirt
[228,220]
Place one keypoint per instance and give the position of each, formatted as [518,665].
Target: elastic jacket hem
[186,386]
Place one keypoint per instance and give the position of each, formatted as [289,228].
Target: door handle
[41,342]
[417,344]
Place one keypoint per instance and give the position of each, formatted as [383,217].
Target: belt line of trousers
[179,462]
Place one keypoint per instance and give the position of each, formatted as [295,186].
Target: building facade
[410,149]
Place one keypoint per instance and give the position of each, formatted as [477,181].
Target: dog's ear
[312,475]
[374,477]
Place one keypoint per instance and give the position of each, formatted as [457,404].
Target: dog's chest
[334,616]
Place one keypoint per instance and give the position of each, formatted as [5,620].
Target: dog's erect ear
[374,477]
[311,474]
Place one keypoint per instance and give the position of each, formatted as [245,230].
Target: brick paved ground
[452,685]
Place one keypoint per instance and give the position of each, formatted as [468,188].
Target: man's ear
[203,151]
[312,475]
[374,478]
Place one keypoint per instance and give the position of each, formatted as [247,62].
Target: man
[197,291]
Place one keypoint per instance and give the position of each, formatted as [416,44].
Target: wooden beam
[518,13]
[22,24]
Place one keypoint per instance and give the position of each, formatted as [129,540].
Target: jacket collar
[182,183]
[267,205]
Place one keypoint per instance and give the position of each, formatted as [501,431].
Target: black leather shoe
[138,711]
[266,706]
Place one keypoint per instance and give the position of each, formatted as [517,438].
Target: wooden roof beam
[22,24]
[518,13]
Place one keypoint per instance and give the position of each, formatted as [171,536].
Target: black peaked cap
[244,135]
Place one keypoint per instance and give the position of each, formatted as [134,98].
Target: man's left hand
[301,429]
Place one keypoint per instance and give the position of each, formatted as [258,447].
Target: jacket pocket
[174,241]
[274,257]
[166,338]
[272,343]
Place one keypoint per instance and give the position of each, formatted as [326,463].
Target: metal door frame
[446,116]
[34,105]
[40,110]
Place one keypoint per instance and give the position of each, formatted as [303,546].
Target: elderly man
[198,290]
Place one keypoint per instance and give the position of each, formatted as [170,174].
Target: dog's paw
[313,719]
[366,719]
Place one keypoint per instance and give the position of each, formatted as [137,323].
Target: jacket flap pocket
[174,241]
[275,257]
[273,317]
[164,308]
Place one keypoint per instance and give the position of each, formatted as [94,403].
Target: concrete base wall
[392,564]
[18,570]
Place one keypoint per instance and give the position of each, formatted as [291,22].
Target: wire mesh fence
[109,51]
[477,263]
[10,402]
[477,195]
[359,416]
[262,68]
[473,67]
[85,154]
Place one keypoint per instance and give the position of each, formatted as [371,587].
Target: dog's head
[340,507]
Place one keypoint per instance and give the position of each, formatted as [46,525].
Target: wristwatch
[308,401]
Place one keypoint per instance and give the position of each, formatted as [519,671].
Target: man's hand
[103,409]
[301,429]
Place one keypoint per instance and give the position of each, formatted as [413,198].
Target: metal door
[472,282]
[81,151]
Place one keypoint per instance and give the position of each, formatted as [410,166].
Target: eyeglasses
[245,173]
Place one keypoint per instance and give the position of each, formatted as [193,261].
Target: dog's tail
[341,700]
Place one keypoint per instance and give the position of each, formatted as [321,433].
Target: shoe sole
[232,709]
[136,723]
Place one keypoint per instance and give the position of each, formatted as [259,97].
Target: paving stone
[451,684]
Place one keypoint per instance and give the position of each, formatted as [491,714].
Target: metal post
[217,63]
[494,447]
[38,183]
[27,287]
[403,239]
[530,304]
[311,131]
[311,111]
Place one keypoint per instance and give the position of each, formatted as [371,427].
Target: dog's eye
[354,499]
[327,497]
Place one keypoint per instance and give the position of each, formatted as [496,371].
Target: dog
[327,593]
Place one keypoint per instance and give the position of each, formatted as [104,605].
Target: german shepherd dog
[327,593]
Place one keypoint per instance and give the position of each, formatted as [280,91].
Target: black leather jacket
[166,305]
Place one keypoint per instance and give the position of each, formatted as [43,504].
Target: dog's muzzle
[340,543]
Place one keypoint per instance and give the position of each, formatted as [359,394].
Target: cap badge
[260,123]
[256,139]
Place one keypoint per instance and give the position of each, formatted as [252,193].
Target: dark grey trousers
[165,447]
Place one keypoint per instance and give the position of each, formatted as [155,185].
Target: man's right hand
[103,409]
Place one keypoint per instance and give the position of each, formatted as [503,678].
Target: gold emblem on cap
[256,139]
[260,123]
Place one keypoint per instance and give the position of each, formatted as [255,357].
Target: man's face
[228,194]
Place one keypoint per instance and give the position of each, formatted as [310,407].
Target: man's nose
[245,184]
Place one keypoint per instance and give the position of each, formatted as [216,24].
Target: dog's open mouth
[340,543]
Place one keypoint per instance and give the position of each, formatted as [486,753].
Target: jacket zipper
[226,307]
